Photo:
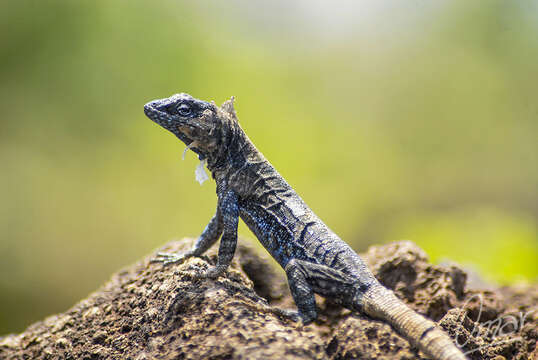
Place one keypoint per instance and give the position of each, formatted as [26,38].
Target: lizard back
[279,217]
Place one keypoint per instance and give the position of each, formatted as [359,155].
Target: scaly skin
[315,259]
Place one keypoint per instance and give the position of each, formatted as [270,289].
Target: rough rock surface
[147,312]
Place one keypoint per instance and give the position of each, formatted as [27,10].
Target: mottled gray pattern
[315,259]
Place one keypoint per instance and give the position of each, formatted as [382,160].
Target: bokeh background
[393,120]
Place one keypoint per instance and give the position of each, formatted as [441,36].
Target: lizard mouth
[156,111]
[153,111]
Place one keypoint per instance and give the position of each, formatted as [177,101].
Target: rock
[146,311]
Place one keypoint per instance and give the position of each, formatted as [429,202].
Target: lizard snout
[156,111]
[152,107]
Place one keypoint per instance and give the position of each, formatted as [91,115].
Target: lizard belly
[288,231]
[276,232]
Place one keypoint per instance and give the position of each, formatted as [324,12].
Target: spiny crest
[228,107]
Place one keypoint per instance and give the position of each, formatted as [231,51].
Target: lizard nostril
[149,107]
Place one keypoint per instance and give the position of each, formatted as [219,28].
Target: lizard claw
[170,258]
[212,273]
[290,315]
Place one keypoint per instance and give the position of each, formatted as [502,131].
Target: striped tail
[381,303]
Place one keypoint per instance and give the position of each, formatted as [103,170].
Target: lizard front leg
[209,236]
[229,210]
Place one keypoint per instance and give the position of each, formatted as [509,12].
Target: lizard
[314,258]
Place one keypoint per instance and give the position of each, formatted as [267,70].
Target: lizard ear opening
[228,106]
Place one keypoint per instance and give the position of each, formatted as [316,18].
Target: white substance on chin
[192,144]
[200,173]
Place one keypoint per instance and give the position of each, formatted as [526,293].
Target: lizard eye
[184,110]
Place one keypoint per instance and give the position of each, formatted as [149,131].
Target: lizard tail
[381,303]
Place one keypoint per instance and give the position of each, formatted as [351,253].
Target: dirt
[146,311]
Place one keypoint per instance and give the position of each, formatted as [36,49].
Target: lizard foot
[170,258]
[288,314]
[292,315]
[212,273]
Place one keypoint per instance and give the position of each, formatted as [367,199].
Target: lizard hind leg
[302,293]
[340,287]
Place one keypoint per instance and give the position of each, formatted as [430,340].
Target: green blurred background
[393,120]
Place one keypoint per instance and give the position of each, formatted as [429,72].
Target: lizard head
[197,123]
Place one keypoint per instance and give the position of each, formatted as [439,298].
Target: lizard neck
[234,149]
